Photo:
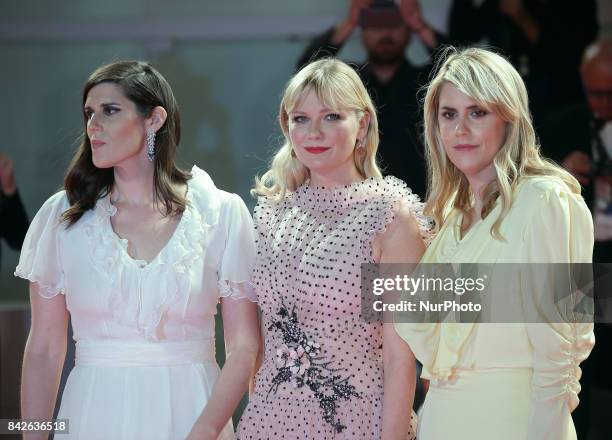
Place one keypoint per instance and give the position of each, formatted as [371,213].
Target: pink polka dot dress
[322,372]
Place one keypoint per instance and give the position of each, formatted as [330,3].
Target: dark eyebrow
[324,110]
[471,107]
[105,104]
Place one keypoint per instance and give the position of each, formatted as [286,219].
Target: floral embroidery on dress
[299,361]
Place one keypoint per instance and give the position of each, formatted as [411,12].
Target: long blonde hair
[337,86]
[493,83]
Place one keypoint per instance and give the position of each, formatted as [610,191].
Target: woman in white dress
[138,253]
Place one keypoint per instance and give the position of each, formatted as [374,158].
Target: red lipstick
[316,150]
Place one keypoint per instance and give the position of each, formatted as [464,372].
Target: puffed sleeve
[264,216]
[40,259]
[239,254]
[560,231]
[395,194]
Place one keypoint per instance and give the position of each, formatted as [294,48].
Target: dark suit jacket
[13,220]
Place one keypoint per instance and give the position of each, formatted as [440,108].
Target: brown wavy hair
[146,88]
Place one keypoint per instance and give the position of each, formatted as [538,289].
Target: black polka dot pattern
[322,372]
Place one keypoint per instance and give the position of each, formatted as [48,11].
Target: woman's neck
[134,186]
[478,183]
[330,180]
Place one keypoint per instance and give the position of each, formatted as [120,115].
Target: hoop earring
[150,144]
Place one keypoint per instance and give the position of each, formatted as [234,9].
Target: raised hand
[412,15]
[355,9]
[7,175]
[345,28]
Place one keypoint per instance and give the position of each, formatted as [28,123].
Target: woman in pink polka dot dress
[324,209]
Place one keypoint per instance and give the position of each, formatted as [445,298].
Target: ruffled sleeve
[560,231]
[394,193]
[239,254]
[40,259]
[266,214]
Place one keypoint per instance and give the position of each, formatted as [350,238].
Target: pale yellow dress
[507,381]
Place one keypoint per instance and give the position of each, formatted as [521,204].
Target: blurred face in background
[386,45]
[597,80]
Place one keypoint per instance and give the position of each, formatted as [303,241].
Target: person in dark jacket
[543,39]
[13,227]
[13,218]
[391,79]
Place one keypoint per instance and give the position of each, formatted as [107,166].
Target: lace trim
[334,198]
[237,290]
[47,291]
[396,193]
[172,266]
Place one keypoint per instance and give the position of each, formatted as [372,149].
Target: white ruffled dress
[145,348]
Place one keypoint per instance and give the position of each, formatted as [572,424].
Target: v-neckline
[124,242]
[459,237]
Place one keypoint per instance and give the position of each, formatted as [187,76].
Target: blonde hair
[337,86]
[493,83]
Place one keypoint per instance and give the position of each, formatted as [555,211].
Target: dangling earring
[360,146]
[150,144]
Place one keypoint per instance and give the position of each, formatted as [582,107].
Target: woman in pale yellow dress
[496,200]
